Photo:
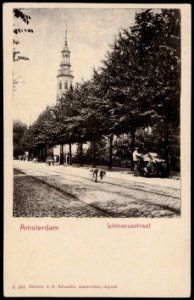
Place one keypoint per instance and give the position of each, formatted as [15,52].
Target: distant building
[65,75]
[64,82]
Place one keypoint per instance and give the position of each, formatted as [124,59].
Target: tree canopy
[18,14]
[138,87]
[19,138]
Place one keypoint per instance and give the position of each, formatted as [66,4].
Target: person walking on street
[136,161]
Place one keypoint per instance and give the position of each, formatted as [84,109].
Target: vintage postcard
[97,137]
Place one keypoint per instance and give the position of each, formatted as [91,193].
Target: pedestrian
[146,162]
[136,161]
[35,159]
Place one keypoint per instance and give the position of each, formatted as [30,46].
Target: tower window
[66,85]
[60,85]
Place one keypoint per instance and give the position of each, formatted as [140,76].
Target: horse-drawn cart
[152,165]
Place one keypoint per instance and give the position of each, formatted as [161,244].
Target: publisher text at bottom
[86,286]
[65,286]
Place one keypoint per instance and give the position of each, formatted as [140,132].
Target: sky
[90,33]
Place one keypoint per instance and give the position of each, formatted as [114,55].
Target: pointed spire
[66,35]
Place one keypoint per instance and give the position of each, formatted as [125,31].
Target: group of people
[23,157]
[148,163]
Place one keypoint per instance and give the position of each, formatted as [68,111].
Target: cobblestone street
[66,191]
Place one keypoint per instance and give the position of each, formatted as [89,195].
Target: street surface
[67,191]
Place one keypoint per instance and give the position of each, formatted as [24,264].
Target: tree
[117,93]
[78,118]
[140,80]
[19,138]
[42,134]
[158,51]
[90,121]
[65,110]
[19,14]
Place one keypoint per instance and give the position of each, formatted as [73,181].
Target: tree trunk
[132,146]
[81,154]
[94,154]
[70,154]
[167,153]
[45,152]
[110,151]
[38,155]
[61,154]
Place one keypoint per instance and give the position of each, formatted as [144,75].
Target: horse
[96,172]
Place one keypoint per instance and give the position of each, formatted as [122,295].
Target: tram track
[100,188]
[113,184]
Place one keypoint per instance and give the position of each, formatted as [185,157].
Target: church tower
[65,76]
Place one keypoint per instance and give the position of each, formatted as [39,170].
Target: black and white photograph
[96,97]
[97,112]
